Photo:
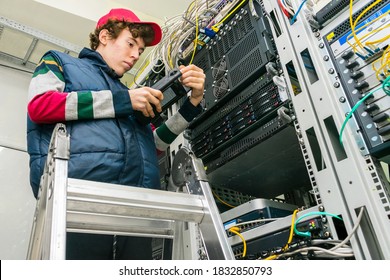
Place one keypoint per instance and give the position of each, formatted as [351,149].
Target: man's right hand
[143,98]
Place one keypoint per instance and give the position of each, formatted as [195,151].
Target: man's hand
[143,98]
[194,78]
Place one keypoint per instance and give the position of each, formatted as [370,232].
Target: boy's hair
[115,27]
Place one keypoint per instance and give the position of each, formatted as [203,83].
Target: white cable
[335,251]
[359,218]
[315,248]
[177,30]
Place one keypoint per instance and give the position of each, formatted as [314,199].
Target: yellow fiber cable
[139,72]
[223,202]
[380,69]
[353,25]
[236,230]
[228,15]
[380,59]
[271,257]
[169,55]
[353,46]
[196,36]
[351,22]
[367,35]
[291,230]
[384,59]
[365,11]
[190,7]
[379,40]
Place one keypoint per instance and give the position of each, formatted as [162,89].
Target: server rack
[345,177]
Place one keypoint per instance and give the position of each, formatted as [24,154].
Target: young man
[108,143]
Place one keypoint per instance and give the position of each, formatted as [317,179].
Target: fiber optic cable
[222,201]
[215,26]
[379,40]
[353,46]
[196,36]
[291,230]
[285,247]
[354,23]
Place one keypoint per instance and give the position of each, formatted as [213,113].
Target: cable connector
[215,29]
[232,229]
[236,230]
[210,32]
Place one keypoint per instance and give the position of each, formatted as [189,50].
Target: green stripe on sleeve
[49,64]
[165,134]
[84,105]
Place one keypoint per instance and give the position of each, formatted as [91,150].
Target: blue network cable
[296,14]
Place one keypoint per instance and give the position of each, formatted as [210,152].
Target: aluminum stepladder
[72,205]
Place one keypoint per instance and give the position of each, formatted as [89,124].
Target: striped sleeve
[48,103]
[166,133]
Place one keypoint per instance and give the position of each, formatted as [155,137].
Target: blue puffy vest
[118,150]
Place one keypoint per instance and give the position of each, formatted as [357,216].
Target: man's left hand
[194,78]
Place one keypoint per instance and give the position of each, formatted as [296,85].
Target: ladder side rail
[35,244]
[188,171]
[58,196]
[48,235]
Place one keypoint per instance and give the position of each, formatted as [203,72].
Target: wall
[17,203]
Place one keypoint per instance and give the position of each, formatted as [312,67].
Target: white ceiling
[71,20]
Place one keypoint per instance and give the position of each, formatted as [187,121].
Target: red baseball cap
[129,16]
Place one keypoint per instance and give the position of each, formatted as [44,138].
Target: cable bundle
[181,31]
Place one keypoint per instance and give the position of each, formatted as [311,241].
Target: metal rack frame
[343,184]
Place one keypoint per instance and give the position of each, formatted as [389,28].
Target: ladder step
[97,207]
[118,225]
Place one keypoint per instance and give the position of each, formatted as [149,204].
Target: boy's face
[121,53]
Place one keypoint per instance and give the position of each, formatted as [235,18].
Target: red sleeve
[48,107]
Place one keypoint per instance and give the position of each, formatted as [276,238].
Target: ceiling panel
[14,42]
